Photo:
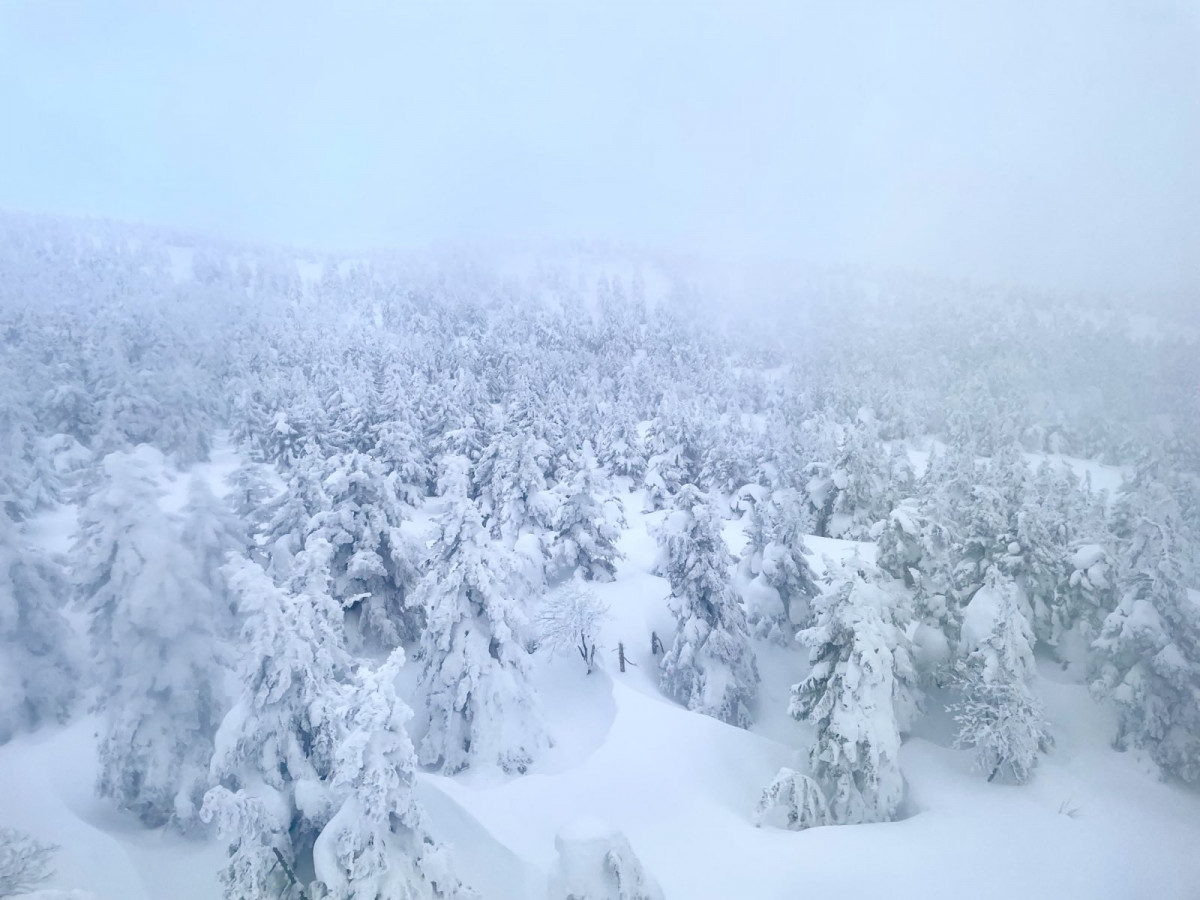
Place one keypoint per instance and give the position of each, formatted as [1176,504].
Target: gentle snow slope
[682,788]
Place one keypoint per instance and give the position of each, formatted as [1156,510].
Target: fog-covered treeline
[243,651]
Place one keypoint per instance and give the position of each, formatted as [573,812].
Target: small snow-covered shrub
[595,862]
[570,619]
[794,801]
[25,862]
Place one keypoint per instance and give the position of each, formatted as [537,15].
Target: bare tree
[25,862]
[571,617]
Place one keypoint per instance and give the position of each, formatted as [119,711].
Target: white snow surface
[681,787]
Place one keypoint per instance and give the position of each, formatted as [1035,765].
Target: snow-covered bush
[595,862]
[793,801]
[569,619]
[25,862]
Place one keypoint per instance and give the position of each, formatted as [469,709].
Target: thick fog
[1045,143]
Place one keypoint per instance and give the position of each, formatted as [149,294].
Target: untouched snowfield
[1093,824]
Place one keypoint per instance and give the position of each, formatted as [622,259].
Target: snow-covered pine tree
[374,566]
[39,663]
[210,533]
[153,627]
[27,482]
[376,845]
[899,542]
[983,537]
[710,666]
[481,708]
[259,859]
[399,448]
[858,479]
[249,490]
[775,562]
[621,449]
[917,550]
[1035,555]
[274,750]
[860,695]
[287,515]
[1087,591]
[999,715]
[1148,652]
[585,537]
[509,472]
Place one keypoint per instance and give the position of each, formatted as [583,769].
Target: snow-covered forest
[586,572]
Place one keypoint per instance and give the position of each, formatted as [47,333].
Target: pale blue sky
[1052,142]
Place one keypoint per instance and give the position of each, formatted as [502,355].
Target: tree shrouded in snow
[315,767]
[855,493]
[399,449]
[775,562]
[481,705]
[287,515]
[1149,646]
[373,566]
[508,475]
[255,832]
[154,628]
[274,749]
[249,491]
[710,665]
[375,846]
[860,694]
[39,659]
[1086,594]
[998,715]
[210,533]
[586,540]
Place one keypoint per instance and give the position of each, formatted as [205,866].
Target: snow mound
[596,862]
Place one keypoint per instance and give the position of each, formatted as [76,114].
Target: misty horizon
[1006,143]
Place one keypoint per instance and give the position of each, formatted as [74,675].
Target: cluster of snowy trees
[989,561]
[379,393]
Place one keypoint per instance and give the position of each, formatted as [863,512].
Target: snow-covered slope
[1094,823]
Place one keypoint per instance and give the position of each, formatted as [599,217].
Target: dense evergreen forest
[437,456]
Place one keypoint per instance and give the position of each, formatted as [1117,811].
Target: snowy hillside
[681,787]
[385,576]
